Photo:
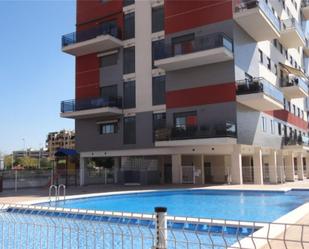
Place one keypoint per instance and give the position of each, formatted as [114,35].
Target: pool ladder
[57,192]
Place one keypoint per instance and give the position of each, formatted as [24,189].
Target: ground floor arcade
[209,164]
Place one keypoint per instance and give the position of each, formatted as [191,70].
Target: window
[185,120]
[129,26]
[298,112]
[294,109]
[268,63]
[279,129]
[129,130]
[272,126]
[261,56]
[109,92]
[159,120]
[281,48]
[129,94]
[157,51]
[157,19]
[276,69]
[264,124]
[275,42]
[109,60]
[108,128]
[183,44]
[128,2]
[158,90]
[302,114]
[129,60]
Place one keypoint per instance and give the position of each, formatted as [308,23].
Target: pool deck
[41,194]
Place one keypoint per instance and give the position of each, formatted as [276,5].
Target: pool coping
[264,235]
[84,196]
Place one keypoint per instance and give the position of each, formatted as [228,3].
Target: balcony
[89,108]
[294,88]
[257,19]
[296,140]
[259,94]
[197,135]
[305,9]
[202,50]
[292,35]
[97,39]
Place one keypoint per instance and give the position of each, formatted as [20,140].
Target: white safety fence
[35,227]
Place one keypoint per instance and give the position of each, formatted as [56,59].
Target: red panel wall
[89,14]
[201,95]
[286,116]
[94,10]
[87,76]
[181,15]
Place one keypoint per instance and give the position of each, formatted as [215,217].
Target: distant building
[59,139]
[42,153]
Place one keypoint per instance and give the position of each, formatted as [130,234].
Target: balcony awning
[292,70]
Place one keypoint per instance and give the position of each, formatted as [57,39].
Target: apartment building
[59,139]
[41,153]
[192,91]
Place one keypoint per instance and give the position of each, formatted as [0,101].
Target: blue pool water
[217,204]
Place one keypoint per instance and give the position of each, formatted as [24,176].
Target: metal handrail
[61,186]
[50,192]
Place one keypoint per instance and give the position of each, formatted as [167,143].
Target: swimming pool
[264,206]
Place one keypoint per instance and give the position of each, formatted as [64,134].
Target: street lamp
[24,143]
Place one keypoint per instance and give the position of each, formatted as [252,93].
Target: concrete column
[82,171]
[236,166]
[258,166]
[273,168]
[280,167]
[307,165]
[176,169]
[300,167]
[289,170]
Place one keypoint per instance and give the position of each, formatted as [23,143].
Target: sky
[34,74]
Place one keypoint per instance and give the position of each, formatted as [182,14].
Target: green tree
[8,161]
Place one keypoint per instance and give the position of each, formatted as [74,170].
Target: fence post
[161,228]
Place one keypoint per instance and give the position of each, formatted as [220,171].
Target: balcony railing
[296,140]
[84,35]
[128,2]
[227,129]
[243,5]
[87,104]
[292,23]
[199,43]
[304,3]
[259,85]
[295,82]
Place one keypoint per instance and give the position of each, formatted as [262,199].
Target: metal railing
[71,228]
[295,82]
[128,2]
[86,104]
[304,3]
[244,5]
[226,129]
[296,140]
[257,85]
[198,43]
[57,192]
[292,23]
[84,35]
